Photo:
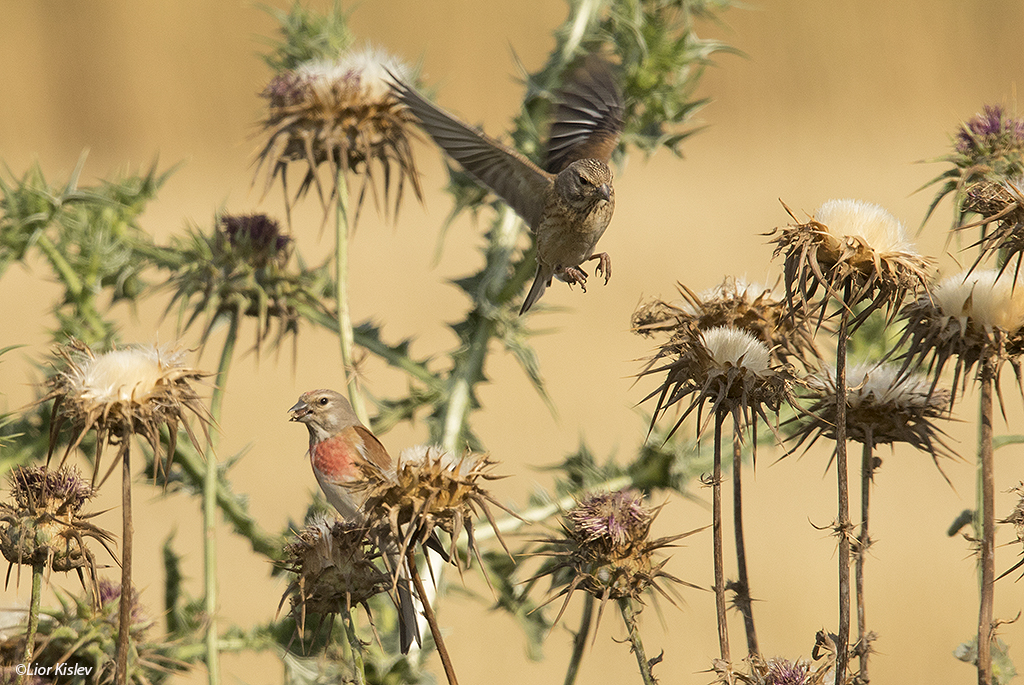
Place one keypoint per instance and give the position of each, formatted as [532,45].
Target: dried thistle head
[751,307]
[1001,207]
[340,113]
[853,251]
[242,270]
[606,550]
[976,317]
[431,489]
[725,368]
[334,564]
[44,524]
[883,406]
[135,390]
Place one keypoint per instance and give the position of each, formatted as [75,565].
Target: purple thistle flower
[783,672]
[619,518]
[257,231]
[989,130]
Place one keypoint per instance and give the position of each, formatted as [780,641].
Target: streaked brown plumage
[569,202]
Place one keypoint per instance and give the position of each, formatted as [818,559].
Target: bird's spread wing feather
[512,177]
[588,117]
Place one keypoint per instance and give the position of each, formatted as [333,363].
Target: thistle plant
[83,637]
[728,372]
[883,406]
[978,318]
[764,314]
[857,253]
[606,552]
[336,109]
[44,527]
[242,270]
[430,490]
[988,150]
[336,569]
[120,394]
[90,238]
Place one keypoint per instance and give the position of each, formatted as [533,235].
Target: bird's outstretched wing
[512,177]
[587,122]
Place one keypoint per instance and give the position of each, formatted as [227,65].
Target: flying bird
[568,202]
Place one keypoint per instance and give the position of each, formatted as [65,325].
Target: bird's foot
[573,275]
[604,265]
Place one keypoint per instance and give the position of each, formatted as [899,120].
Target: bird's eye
[323,401]
[584,181]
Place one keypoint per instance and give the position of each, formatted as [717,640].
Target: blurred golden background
[833,99]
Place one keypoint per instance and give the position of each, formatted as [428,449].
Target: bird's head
[323,411]
[585,182]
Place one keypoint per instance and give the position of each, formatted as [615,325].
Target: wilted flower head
[430,489]
[883,406]
[724,367]
[134,390]
[241,270]
[44,525]
[340,113]
[605,546]
[751,307]
[1001,206]
[853,251]
[975,316]
[334,566]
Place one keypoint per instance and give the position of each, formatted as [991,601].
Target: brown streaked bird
[341,448]
[570,201]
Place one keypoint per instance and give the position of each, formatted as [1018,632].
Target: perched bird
[567,203]
[340,449]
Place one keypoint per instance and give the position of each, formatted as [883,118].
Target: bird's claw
[574,274]
[604,266]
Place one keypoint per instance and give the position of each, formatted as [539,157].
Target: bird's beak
[298,411]
[606,192]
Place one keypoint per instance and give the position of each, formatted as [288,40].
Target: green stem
[743,601]
[210,483]
[67,273]
[579,643]
[636,644]
[863,544]
[345,335]
[349,619]
[33,619]
[987,467]
[843,523]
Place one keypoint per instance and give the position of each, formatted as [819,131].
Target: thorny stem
[716,513]
[345,335]
[743,601]
[635,643]
[985,459]
[124,614]
[33,619]
[843,523]
[863,543]
[579,642]
[210,483]
[349,619]
[428,611]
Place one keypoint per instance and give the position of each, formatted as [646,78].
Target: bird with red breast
[568,201]
[341,450]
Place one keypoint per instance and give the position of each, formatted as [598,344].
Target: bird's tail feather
[540,284]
